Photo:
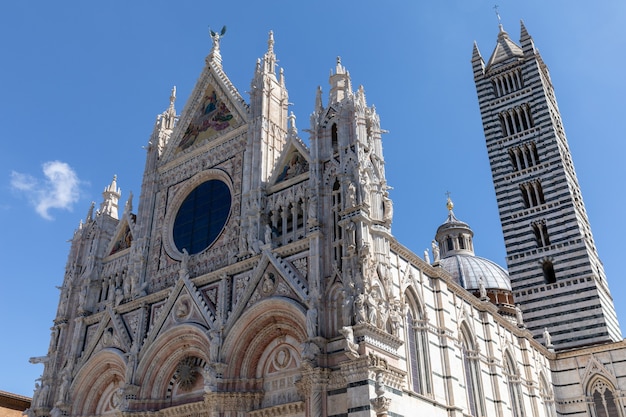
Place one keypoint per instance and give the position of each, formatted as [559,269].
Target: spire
[89,216]
[269,59]
[111,196]
[169,116]
[528,46]
[478,64]
[293,130]
[340,86]
[319,107]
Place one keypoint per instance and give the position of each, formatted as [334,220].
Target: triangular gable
[594,369]
[110,332]
[271,277]
[293,162]
[123,235]
[214,108]
[184,304]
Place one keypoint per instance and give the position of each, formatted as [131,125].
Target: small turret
[340,85]
[111,196]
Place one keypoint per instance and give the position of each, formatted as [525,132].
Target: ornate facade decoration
[260,277]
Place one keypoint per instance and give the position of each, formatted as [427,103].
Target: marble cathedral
[259,275]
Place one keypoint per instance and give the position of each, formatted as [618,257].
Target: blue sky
[84,81]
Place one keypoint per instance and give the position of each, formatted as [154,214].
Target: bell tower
[556,273]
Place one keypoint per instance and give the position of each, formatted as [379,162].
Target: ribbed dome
[468,269]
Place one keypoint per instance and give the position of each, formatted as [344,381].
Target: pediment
[272,277]
[109,332]
[293,162]
[123,236]
[185,304]
[213,109]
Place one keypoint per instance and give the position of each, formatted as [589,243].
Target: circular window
[202,216]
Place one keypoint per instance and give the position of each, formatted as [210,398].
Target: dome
[467,270]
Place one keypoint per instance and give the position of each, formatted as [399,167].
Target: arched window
[514,386]
[335,139]
[546,395]
[604,403]
[471,371]
[417,342]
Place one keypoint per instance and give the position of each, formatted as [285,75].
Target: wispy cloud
[58,190]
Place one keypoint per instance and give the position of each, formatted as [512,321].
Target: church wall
[450,309]
[578,373]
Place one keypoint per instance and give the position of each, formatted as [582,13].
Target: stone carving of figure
[359,308]
[65,385]
[547,339]
[42,399]
[426,256]
[481,288]
[311,322]
[351,195]
[351,346]
[268,283]
[365,189]
[82,297]
[268,234]
[184,264]
[435,248]
[119,296]
[215,340]
[35,400]
[387,208]
[395,320]
[350,232]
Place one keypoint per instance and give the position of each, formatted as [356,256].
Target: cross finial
[496,8]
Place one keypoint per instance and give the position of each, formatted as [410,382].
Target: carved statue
[359,308]
[268,234]
[481,288]
[435,248]
[351,195]
[215,340]
[184,264]
[547,339]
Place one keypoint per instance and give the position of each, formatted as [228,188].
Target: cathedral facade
[259,275]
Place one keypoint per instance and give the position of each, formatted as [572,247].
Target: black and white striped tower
[556,274]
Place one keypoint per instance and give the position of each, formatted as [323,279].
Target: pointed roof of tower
[505,49]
